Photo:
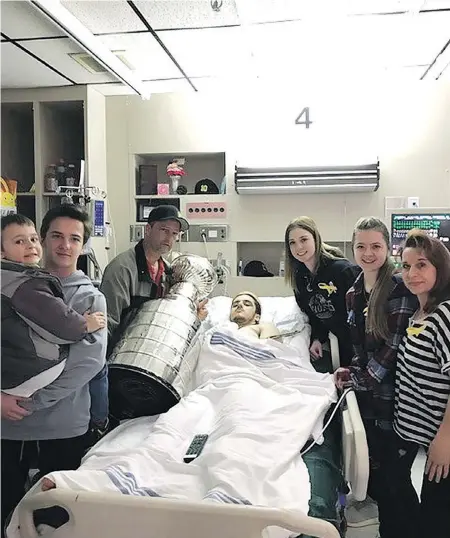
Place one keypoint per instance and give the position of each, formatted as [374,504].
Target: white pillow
[283,312]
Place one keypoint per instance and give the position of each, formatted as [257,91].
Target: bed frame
[121,516]
[354,442]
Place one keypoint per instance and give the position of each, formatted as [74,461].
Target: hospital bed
[118,516]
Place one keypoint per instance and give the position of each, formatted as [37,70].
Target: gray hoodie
[62,409]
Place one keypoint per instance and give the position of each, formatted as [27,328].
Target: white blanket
[258,407]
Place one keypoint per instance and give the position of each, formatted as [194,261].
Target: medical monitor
[436,224]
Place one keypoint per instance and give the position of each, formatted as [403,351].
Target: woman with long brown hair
[422,401]
[379,307]
[320,276]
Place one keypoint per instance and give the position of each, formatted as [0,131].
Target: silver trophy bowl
[150,369]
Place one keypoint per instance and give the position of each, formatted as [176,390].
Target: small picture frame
[163,188]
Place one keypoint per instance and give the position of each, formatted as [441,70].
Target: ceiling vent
[317,179]
[89,63]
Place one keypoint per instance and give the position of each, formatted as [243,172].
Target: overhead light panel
[69,24]
[319,179]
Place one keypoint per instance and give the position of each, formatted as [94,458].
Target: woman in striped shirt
[422,404]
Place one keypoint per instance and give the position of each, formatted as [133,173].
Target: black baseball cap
[168,212]
[206,186]
[256,268]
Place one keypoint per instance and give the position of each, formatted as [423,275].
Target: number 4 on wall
[305,115]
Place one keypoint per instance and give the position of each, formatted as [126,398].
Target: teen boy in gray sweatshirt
[56,417]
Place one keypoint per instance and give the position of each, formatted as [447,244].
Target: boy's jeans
[98,389]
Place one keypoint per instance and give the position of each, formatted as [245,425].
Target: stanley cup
[150,369]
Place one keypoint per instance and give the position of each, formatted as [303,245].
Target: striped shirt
[422,387]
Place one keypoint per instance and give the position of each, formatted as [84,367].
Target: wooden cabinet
[41,126]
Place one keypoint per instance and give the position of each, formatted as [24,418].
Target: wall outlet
[413,201]
[136,232]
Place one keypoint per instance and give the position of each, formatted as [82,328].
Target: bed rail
[354,440]
[121,516]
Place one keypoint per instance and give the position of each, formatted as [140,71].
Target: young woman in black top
[320,277]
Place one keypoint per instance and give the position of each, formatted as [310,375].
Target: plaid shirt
[373,367]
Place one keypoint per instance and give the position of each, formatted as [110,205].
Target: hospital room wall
[407,127]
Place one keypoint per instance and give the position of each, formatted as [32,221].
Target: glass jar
[50,183]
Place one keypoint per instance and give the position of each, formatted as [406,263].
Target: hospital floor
[372,530]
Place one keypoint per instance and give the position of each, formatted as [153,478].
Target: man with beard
[140,274]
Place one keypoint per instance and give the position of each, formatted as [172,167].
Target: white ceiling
[283,39]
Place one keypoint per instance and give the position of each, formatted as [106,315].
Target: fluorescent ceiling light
[61,17]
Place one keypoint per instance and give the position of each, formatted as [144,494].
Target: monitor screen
[435,224]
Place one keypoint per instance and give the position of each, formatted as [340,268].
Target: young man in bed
[55,420]
[322,461]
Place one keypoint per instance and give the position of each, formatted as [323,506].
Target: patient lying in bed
[255,402]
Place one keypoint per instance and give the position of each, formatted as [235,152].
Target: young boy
[36,323]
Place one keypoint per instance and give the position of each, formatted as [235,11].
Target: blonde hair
[322,249]
[376,322]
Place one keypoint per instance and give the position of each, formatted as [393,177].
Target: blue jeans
[98,389]
[324,467]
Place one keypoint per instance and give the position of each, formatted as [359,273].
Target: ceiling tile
[20,19]
[368,7]
[437,4]
[144,54]
[57,55]
[210,52]
[19,70]
[445,74]
[103,17]
[405,74]
[257,11]
[354,43]
[261,11]
[170,14]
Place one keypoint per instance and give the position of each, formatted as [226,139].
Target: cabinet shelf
[159,196]
[185,197]
[57,194]
[151,170]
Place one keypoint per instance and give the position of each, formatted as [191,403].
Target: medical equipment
[434,222]
[85,194]
[116,516]
[149,369]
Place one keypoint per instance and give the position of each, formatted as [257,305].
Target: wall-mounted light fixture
[318,179]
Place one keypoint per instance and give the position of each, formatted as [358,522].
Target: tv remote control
[195,448]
